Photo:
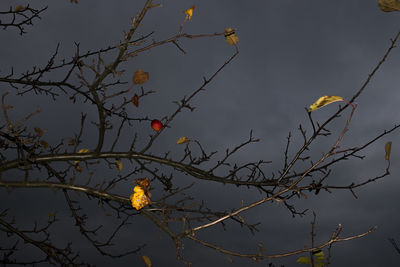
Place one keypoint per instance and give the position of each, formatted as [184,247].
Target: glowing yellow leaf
[304,260]
[182,140]
[18,8]
[230,36]
[389,5]
[388,148]
[139,199]
[189,13]
[119,164]
[323,101]
[147,261]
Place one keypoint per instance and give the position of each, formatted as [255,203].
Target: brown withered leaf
[140,77]
[38,131]
[135,100]
[389,5]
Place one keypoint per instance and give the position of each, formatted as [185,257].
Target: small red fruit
[156,125]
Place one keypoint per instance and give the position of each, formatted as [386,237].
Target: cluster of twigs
[23,151]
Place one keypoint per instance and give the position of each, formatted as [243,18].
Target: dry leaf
[388,148]
[189,12]
[323,101]
[52,215]
[182,140]
[78,168]
[389,5]
[230,36]
[18,8]
[135,100]
[119,164]
[38,131]
[140,77]
[74,1]
[44,144]
[147,261]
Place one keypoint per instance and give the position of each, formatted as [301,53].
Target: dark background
[291,52]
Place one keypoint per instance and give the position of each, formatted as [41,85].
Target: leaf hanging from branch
[323,101]
[389,5]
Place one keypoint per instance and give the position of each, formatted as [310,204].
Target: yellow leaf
[44,144]
[304,260]
[388,148]
[182,140]
[119,164]
[139,199]
[323,101]
[52,215]
[230,36]
[140,77]
[319,254]
[189,12]
[81,151]
[389,5]
[18,8]
[147,261]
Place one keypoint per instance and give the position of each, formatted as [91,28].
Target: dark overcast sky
[291,52]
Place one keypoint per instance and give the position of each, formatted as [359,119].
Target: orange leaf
[140,77]
[135,100]
[189,12]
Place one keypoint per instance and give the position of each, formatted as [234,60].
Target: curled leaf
[388,148]
[323,101]
[140,77]
[147,261]
[182,140]
[389,5]
[135,100]
[230,36]
[189,12]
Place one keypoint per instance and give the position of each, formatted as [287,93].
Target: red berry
[156,125]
